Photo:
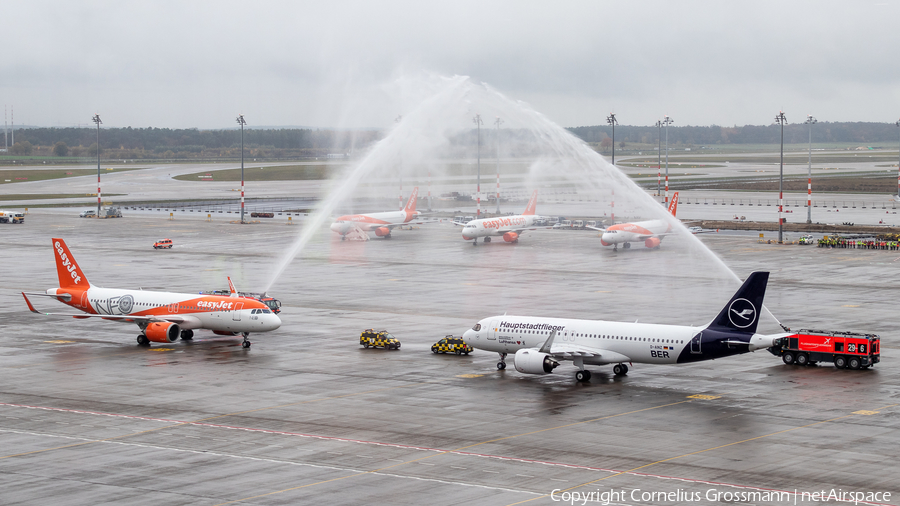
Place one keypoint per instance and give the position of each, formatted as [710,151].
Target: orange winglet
[33,310]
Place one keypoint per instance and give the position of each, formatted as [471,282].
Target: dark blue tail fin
[741,314]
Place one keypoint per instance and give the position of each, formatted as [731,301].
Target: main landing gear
[620,369]
[475,242]
[502,363]
[487,239]
[187,335]
[583,376]
[142,340]
[246,344]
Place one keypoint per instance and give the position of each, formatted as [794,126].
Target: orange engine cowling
[510,237]
[162,332]
[382,231]
[652,242]
[225,333]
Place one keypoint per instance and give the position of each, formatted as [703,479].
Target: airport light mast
[658,155]
[667,121]
[809,121]
[96,119]
[397,120]
[611,119]
[498,122]
[240,121]
[898,166]
[781,120]
[478,123]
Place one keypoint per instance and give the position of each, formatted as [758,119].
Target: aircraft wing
[567,351]
[127,318]
[597,229]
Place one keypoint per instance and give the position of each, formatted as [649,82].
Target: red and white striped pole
[96,119]
[613,207]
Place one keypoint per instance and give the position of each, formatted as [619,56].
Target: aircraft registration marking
[704,397]
[469,375]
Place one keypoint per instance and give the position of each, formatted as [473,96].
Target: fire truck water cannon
[847,350]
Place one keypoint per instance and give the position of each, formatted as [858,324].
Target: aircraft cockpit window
[266,311]
[477,327]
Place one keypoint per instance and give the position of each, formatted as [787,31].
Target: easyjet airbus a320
[539,344]
[163,317]
[649,232]
[380,223]
[507,227]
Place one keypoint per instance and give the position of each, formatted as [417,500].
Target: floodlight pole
[611,119]
[498,122]
[397,120]
[810,121]
[667,121]
[478,123]
[240,121]
[898,166]
[658,156]
[96,119]
[781,120]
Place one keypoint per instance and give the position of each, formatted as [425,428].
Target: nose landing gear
[246,343]
[502,363]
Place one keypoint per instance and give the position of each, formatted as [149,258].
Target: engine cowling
[382,231]
[534,362]
[162,332]
[652,242]
[510,237]
[225,333]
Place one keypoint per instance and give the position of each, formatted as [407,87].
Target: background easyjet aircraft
[381,223]
[509,227]
[163,317]
[648,232]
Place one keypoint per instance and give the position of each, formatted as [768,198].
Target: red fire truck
[848,350]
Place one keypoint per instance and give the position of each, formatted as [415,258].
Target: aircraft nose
[275,322]
[337,227]
[468,336]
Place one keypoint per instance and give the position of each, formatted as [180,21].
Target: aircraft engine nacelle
[225,333]
[382,231]
[162,332]
[652,242]
[510,237]
[534,362]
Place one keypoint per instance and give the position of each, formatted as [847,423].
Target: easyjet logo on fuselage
[209,304]
[71,267]
[503,222]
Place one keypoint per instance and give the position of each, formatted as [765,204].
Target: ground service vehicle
[90,213]
[163,244]
[11,217]
[848,350]
[378,339]
[451,344]
[111,212]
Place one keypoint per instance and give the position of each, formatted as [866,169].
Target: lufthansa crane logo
[741,313]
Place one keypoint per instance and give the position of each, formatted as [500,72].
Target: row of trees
[150,143]
[858,132]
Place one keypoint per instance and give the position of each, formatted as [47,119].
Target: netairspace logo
[679,496]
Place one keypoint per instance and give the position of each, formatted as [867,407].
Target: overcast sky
[334,64]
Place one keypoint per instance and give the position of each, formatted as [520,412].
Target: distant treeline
[165,143]
[862,133]
[191,142]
